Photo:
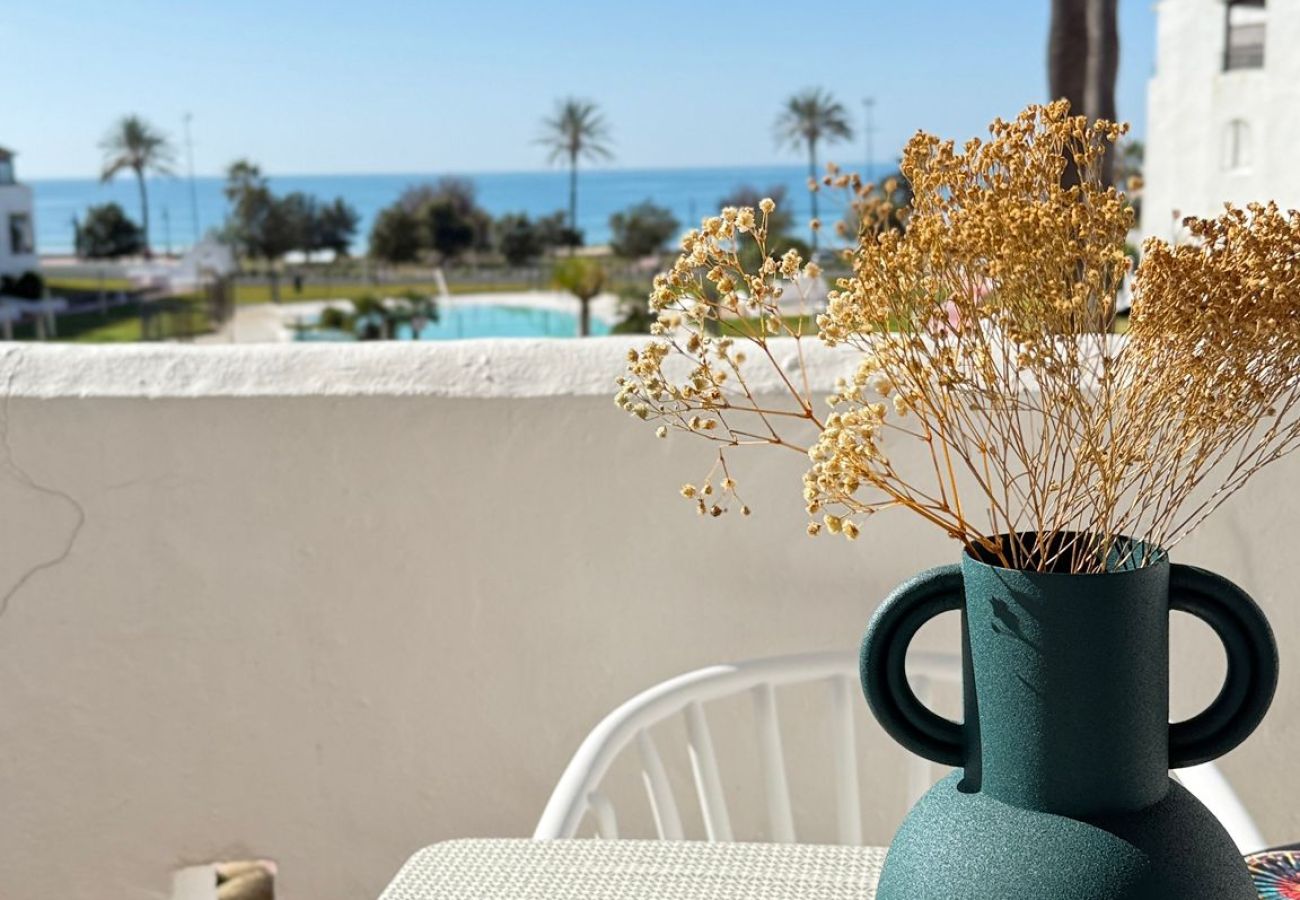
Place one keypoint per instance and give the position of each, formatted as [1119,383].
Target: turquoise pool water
[478,321]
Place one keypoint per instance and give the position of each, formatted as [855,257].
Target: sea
[181,210]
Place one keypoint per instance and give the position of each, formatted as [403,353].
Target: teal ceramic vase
[1063,789]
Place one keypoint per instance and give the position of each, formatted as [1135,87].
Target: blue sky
[404,86]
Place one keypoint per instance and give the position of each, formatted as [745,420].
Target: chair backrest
[579,795]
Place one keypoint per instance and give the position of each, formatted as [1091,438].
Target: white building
[17,240]
[1223,109]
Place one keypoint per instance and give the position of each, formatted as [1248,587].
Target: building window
[1243,46]
[1236,145]
[20,234]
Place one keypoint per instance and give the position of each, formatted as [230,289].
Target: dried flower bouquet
[981,332]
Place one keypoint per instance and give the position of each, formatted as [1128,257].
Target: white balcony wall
[326,605]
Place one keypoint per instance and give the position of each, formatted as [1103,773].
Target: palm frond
[811,116]
[576,130]
[132,143]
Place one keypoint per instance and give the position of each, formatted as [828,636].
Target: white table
[636,870]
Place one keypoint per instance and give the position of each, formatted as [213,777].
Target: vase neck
[1067,688]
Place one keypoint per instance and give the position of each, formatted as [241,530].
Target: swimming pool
[457,321]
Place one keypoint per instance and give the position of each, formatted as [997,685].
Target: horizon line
[438,173]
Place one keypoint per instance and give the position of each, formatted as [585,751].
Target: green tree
[642,230]
[1130,153]
[336,226]
[372,321]
[417,309]
[333,318]
[262,226]
[459,201]
[809,118]
[302,218]
[577,131]
[519,239]
[134,144]
[583,278]
[556,232]
[450,220]
[242,175]
[107,233]
[459,192]
[635,316]
[396,235]
[447,230]
[246,190]
[274,234]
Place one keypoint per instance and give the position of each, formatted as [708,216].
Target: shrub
[107,233]
[27,286]
[556,232]
[641,230]
[447,229]
[519,239]
[395,236]
[334,318]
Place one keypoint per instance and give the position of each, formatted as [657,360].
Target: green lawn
[121,324]
[805,324]
[87,285]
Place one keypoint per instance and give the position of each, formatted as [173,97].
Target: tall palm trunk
[812,175]
[1083,62]
[584,317]
[1067,52]
[573,201]
[1103,67]
[144,211]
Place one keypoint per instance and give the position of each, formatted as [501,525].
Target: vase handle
[883,665]
[1251,679]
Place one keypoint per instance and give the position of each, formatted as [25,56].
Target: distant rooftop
[6,154]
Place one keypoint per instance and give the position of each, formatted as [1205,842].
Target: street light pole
[869,130]
[194,193]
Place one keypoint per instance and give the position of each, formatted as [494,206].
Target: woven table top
[631,870]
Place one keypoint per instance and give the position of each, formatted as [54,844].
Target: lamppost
[194,193]
[869,130]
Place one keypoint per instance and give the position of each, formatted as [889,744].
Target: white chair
[580,793]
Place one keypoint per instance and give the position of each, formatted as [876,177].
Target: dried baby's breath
[981,334]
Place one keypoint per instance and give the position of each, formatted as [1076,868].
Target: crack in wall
[24,478]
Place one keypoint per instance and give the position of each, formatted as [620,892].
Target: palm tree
[132,143]
[1083,63]
[584,278]
[575,132]
[808,117]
